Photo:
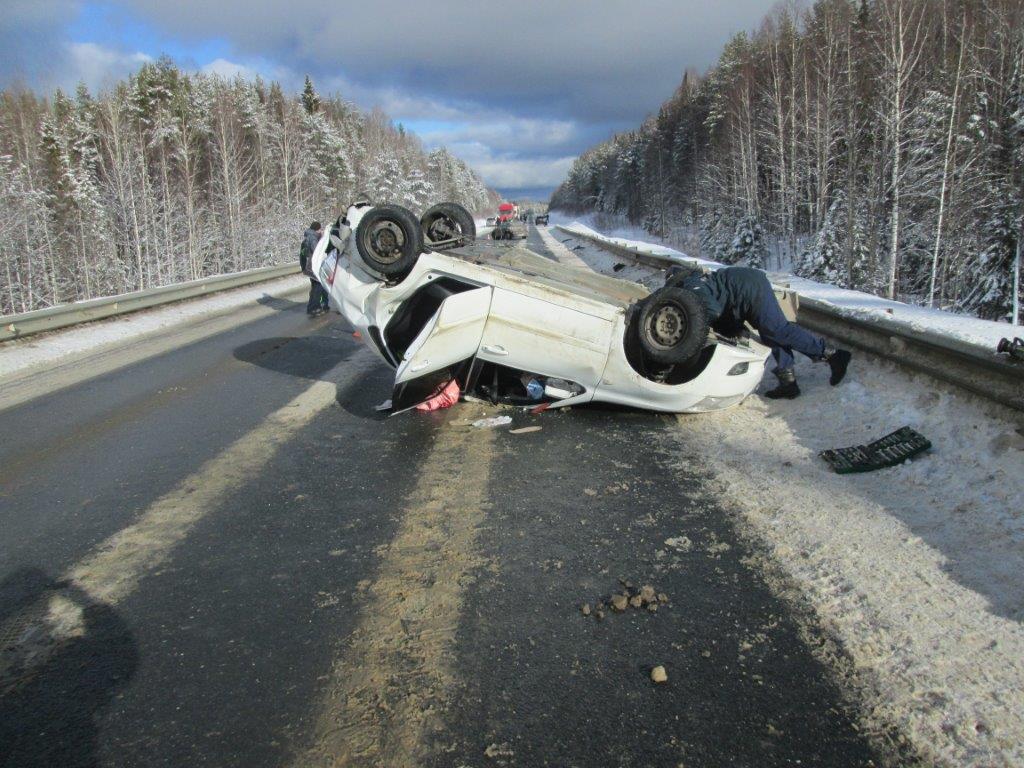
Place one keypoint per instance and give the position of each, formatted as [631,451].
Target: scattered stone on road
[619,602]
[586,609]
[658,674]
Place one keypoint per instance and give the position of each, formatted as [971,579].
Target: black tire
[672,325]
[448,221]
[389,240]
[495,234]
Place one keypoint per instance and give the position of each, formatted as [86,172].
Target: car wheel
[495,234]
[389,239]
[445,222]
[672,325]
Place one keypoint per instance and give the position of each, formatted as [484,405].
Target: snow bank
[971,330]
[20,354]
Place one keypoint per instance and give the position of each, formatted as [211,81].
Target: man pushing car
[733,296]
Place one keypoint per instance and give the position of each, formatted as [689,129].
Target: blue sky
[518,93]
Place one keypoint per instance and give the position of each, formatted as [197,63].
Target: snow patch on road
[21,354]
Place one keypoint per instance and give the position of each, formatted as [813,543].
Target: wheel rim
[385,240]
[442,228]
[668,326]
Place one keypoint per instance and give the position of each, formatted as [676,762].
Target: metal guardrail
[969,366]
[52,318]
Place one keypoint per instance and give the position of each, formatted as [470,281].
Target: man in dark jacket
[733,296]
[317,303]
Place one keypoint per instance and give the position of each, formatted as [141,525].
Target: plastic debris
[888,451]
[493,421]
[534,388]
[524,430]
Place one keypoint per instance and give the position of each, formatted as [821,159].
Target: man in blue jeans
[317,303]
[733,296]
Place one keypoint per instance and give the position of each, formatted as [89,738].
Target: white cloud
[229,69]
[99,67]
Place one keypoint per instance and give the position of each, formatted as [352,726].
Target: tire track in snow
[389,690]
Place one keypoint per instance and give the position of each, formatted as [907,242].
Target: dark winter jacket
[309,240]
[731,296]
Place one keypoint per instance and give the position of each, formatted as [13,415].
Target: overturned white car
[512,326]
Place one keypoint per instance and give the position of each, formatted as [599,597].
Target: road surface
[223,555]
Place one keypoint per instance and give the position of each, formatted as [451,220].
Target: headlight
[739,369]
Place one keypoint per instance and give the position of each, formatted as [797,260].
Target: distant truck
[541,218]
[508,226]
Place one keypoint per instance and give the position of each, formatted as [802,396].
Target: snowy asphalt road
[222,555]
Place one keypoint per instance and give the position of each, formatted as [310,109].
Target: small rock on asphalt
[619,602]
[662,597]
[647,593]
[636,601]
[658,674]
[586,609]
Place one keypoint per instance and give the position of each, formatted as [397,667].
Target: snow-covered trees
[173,176]
[877,143]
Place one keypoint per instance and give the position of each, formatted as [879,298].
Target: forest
[873,144]
[172,176]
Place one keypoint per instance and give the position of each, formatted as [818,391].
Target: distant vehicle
[492,220]
[541,218]
[508,226]
[512,326]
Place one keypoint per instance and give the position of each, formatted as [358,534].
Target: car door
[537,336]
[452,336]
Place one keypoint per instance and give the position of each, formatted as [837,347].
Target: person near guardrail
[733,296]
[317,303]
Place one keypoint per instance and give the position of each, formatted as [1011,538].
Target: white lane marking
[116,567]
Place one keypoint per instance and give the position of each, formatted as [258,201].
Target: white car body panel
[528,313]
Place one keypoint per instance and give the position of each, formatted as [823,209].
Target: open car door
[447,344]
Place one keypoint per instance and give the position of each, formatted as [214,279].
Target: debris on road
[499,750]
[659,675]
[630,597]
[385,406]
[524,430]
[888,451]
[680,543]
[446,397]
[493,421]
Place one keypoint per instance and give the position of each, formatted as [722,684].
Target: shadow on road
[63,658]
[281,305]
[308,357]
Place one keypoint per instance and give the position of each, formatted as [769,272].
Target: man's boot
[787,389]
[838,360]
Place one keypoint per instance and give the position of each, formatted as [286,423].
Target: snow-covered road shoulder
[915,569]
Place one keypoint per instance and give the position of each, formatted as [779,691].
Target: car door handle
[495,350]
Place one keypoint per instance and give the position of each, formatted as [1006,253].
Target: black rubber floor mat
[888,451]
